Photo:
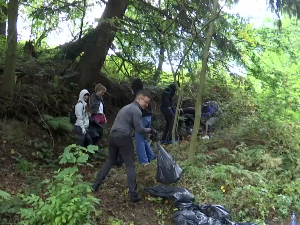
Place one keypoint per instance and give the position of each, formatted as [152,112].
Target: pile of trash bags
[189,213]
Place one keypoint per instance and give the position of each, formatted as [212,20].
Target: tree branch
[83,16]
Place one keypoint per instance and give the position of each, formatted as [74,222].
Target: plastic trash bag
[168,171]
[189,217]
[216,211]
[181,196]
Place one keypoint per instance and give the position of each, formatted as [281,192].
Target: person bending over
[120,141]
[210,111]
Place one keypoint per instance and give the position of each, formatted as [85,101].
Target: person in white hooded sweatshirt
[82,122]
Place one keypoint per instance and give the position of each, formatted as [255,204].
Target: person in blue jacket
[211,111]
[143,149]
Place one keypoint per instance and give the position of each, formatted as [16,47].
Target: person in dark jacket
[120,142]
[98,118]
[143,149]
[168,111]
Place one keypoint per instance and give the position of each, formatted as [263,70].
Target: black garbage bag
[189,217]
[217,212]
[181,196]
[168,171]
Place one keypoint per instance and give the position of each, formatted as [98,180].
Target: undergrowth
[251,168]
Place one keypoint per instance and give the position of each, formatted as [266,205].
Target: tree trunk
[10,60]
[193,144]
[3,21]
[161,59]
[95,50]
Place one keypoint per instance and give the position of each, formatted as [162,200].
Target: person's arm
[210,111]
[137,122]
[79,115]
[94,105]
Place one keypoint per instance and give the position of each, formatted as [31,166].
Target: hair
[137,85]
[144,93]
[100,87]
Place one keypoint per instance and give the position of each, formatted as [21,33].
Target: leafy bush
[76,154]
[59,123]
[68,199]
[10,206]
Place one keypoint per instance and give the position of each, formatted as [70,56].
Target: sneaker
[206,137]
[135,199]
[145,164]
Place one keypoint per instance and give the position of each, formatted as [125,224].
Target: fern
[59,123]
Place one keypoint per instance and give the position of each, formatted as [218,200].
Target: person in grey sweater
[120,141]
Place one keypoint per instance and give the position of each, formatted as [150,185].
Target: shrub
[68,199]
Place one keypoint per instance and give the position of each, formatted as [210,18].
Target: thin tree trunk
[177,114]
[193,144]
[10,60]
[3,21]
[95,50]
[161,59]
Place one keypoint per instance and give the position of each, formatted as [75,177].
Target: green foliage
[44,151]
[68,199]
[10,206]
[59,123]
[76,154]
[4,195]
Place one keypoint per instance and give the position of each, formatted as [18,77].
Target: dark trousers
[83,140]
[122,144]
[167,135]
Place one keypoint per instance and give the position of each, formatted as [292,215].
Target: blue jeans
[143,149]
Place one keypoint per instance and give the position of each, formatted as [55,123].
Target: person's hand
[83,131]
[181,111]
[154,138]
[105,120]
[153,132]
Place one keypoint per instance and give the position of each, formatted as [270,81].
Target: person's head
[100,90]
[173,87]
[204,107]
[137,85]
[84,95]
[143,97]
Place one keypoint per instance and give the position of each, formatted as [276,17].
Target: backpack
[215,106]
[73,116]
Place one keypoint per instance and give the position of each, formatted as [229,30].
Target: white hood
[81,114]
[82,93]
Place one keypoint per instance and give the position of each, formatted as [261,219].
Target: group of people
[90,116]
[210,115]
[135,117]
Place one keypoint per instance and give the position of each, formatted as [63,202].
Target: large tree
[11,57]
[96,44]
